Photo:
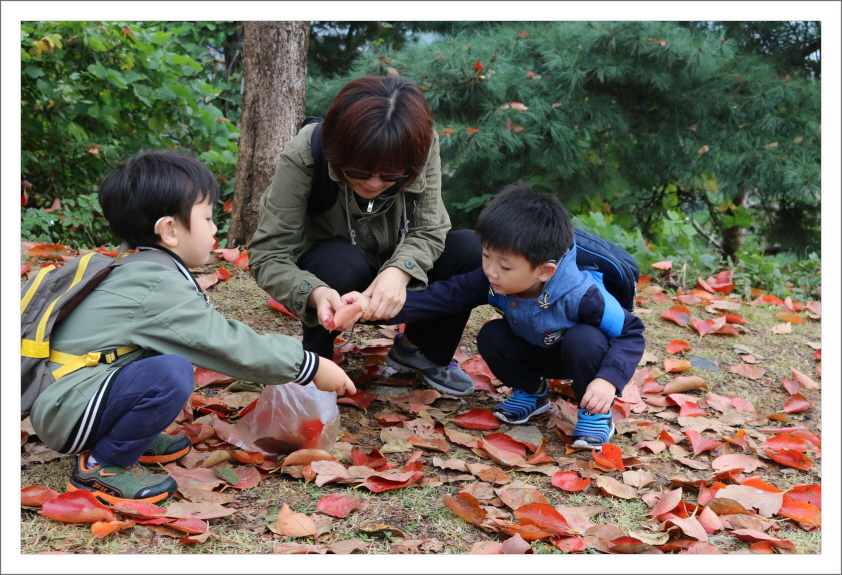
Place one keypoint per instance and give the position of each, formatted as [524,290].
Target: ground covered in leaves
[718,450]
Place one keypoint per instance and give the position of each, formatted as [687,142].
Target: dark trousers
[521,365]
[344,268]
[146,396]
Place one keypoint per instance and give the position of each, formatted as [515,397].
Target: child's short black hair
[151,185]
[522,221]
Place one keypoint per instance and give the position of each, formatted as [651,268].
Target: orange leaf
[446,132]
[610,457]
[477,66]
[801,512]
[223,274]
[102,528]
[677,346]
[292,524]
[242,262]
[348,313]
[790,317]
[748,371]
[138,509]
[758,483]
[477,419]
[228,205]
[48,251]
[678,314]
[684,383]
[78,506]
[804,380]
[190,525]
[643,282]
[229,255]
[797,403]
[690,409]
[707,326]
[667,503]
[281,308]
[472,130]
[570,481]
[248,457]
[36,495]
[673,365]
[544,517]
[203,377]
[341,505]
[811,494]
[791,458]
[740,461]
[700,444]
[665,265]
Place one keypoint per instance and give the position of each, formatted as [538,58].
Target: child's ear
[547,270]
[167,232]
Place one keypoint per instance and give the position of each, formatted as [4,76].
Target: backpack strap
[323,190]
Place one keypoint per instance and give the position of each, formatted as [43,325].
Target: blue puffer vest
[544,320]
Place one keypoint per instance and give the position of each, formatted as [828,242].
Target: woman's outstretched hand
[326,301]
[387,293]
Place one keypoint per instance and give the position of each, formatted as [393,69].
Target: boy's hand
[326,301]
[331,377]
[387,293]
[599,396]
[351,298]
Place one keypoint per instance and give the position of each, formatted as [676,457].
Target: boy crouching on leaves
[560,322]
[113,414]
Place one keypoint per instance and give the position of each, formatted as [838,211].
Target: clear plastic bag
[287,418]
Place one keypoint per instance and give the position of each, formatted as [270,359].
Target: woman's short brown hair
[377,124]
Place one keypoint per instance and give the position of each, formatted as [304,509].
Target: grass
[419,512]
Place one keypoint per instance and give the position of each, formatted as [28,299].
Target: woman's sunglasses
[354,175]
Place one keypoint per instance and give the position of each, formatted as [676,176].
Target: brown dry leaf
[782,328]
[748,463]
[767,503]
[348,546]
[804,380]
[307,456]
[518,494]
[639,478]
[292,548]
[204,510]
[204,496]
[454,464]
[216,457]
[690,526]
[692,463]
[611,486]
[684,383]
[292,524]
[746,370]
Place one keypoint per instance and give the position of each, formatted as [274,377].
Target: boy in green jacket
[113,414]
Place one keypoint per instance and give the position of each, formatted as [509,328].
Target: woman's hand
[387,293]
[326,301]
[331,377]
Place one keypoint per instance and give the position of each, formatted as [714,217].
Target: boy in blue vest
[560,322]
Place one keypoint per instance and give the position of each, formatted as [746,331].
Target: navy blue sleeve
[458,294]
[624,348]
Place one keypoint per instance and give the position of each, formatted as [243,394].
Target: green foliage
[94,93]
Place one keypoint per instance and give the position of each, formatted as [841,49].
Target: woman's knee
[339,264]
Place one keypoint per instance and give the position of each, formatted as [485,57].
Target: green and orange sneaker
[166,448]
[113,484]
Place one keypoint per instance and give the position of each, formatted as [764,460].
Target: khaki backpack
[48,298]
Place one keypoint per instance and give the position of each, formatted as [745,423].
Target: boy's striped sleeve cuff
[309,367]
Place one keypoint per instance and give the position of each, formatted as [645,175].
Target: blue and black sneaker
[593,430]
[521,405]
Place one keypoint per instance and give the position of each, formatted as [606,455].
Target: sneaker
[444,379]
[593,430]
[113,484]
[521,405]
[166,448]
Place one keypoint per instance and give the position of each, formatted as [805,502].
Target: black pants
[344,268]
[521,365]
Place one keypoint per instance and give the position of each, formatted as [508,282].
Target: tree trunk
[274,72]
[732,237]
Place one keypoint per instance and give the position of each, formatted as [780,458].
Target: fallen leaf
[666,503]
[543,516]
[701,444]
[804,380]
[477,419]
[811,494]
[36,495]
[791,458]
[341,505]
[677,346]
[673,365]
[789,317]
[767,503]
[797,403]
[570,481]
[292,524]
[610,457]
[801,511]
[79,506]
[782,328]
[684,383]
[274,304]
[747,463]
[690,526]
[678,314]
[187,510]
[748,371]
[610,486]
[664,265]
[102,528]
[519,494]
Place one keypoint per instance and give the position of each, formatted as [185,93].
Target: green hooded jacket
[285,230]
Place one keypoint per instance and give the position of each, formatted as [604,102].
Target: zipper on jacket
[370,205]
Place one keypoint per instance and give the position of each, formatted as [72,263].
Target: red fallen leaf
[249,478]
[570,481]
[754,536]
[36,495]
[667,503]
[816,308]
[674,365]
[189,525]
[499,456]
[102,528]
[48,251]
[570,544]
[665,265]
[678,314]
[477,66]
[248,457]
[373,459]
[477,419]
[378,483]
[361,399]
[706,326]
[727,329]
[801,511]
[700,444]
[661,298]
[791,458]
[223,274]
[506,443]
[467,507]
[138,509]
[690,409]
[311,430]
[292,524]
[540,455]
[544,517]
[477,366]
[706,494]
[281,308]
[196,432]
[643,282]
[791,385]
[816,356]
[203,377]
[199,478]
[786,441]
[690,526]
[690,299]
[25,267]
[610,457]
[78,506]
[207,280]
[790,317]
[811,494]
[651,386]
[242,262]
[677,346]
[797,403]
[229,204]
[341,505]
[804,380]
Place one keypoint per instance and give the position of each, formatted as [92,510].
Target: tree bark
[732,237]
[274,73]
